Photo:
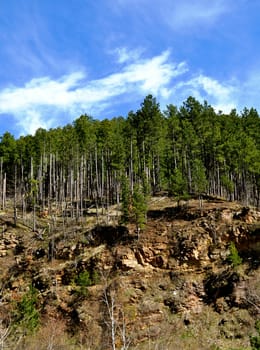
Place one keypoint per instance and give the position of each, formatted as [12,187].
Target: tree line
[187,150]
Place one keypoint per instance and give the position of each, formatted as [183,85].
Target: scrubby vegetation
[233,256]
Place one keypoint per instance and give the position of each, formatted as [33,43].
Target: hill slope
[179,283]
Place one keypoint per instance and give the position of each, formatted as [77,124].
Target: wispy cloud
[188,13]
[248,93]
[46,102]
[179,15]
[123,54]
[29,45]
[40,102]
[222,96]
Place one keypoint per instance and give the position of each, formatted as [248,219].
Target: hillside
[180,283]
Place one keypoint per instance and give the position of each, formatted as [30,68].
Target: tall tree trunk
[15,195]
[131,175]
[1,182]
[4,192]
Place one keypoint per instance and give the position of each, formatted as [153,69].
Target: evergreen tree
[187,149]
[125,200]
[139,208]
[148,125]
[178,186]
[8,155]
[27,315]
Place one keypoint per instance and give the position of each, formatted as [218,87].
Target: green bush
[27,315]
[95,277]
[233,256]
[139,207]
[255,340]
[84,280]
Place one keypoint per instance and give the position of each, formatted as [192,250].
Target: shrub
[27,315]
[255,340]
[233,256]
[84,280]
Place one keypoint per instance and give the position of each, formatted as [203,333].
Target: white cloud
[43,102]
[178,15]
[39,102]
[248,94]
[220,95]
[188,13]
[33,120]
[125,55]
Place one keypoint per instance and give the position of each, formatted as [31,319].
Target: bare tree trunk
[91,177]
[4,192]
[81,187]
[97,175]
[131,175]
[110,305]
[115,320]
[71,192]
[1,182]
[34,216]
[144,164]
[189,176]
[50,185]
[40,181]
[15,195]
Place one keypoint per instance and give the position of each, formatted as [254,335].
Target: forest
[132,233]
[190,150]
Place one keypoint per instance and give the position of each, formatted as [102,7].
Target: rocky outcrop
[176,270]
[8,242]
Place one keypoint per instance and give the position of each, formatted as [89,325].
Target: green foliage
[27,315]
[187,334]
[125,200]
[33,190]
[148,130]
[84,280]
[139,207]
[8,156]
[191,149]
[8,148]
[146,188]
[255,340]
[95,277]
[214,347]
[178,186]
[199,177]
[227,183]
[233,256]
[84,132]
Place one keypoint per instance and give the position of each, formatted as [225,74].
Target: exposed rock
[173,276]
[227,216]
[220,284]
[126,258]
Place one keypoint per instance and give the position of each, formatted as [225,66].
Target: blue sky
[62,58]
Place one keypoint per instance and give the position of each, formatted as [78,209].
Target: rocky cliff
[176,284]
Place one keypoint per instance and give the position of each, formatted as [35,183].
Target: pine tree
[139,208]
[125,200]
[27,315]
[178,186]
